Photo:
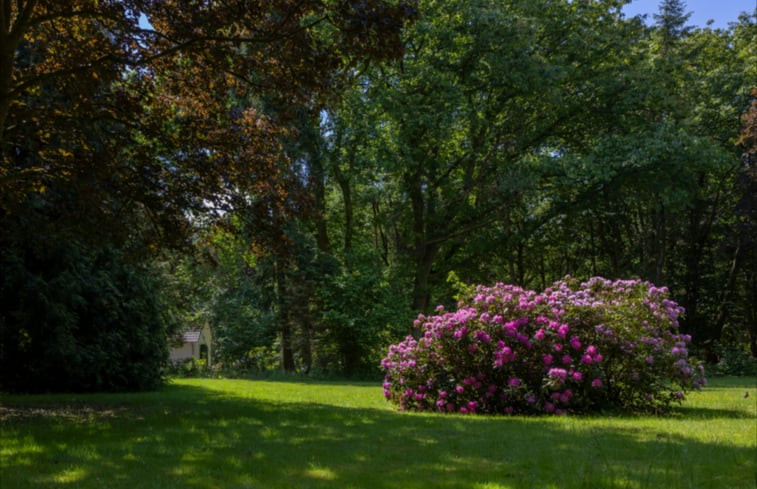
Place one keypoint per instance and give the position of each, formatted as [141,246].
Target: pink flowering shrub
[575,347]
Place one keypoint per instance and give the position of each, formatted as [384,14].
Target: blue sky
[721,11]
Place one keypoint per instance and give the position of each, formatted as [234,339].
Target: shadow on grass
[704,413]
[194,437]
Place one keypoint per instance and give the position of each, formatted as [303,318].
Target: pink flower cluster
[575,347]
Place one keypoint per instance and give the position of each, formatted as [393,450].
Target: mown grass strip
[262,434]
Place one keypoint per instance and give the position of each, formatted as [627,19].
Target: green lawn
[264,434]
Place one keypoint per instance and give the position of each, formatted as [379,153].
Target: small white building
[193,343]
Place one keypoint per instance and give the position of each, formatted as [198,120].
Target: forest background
[306,177]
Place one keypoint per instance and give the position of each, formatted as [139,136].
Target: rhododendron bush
[575,347]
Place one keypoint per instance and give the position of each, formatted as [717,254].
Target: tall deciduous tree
[112,135]
[484,86]
[183,114]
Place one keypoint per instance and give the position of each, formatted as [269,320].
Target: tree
[114,136]
[483,87]
[744,265]
[172,145]
[655,195]
[671,21]
[78,318]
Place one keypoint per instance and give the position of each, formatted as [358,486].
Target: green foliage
[80,319]
[190,368]
[361,311]
[734,360]
[517,141]
[224,285]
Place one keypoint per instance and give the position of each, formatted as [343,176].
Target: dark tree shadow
[199,438]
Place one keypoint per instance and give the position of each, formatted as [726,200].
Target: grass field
[265,434]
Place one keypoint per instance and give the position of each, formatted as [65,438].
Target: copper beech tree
[123,123]
[184,114]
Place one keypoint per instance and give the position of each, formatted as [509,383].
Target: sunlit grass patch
[263,434]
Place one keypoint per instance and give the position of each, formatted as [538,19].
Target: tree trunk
[6,70]
[319,193]
[287,352]
[344,186]
[662,243]
[423,266]
[380,241]
[424,253]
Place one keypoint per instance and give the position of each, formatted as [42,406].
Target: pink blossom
[562,331]
[459,389]
[586,359]
[540,334]
[483,336]
[575,343]
[578,376]
[596,383]
[557,373]
[566,359]
[512,325]
[548,359]
[513,382]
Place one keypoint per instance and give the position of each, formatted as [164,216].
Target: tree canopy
[306,176]
[113,134]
